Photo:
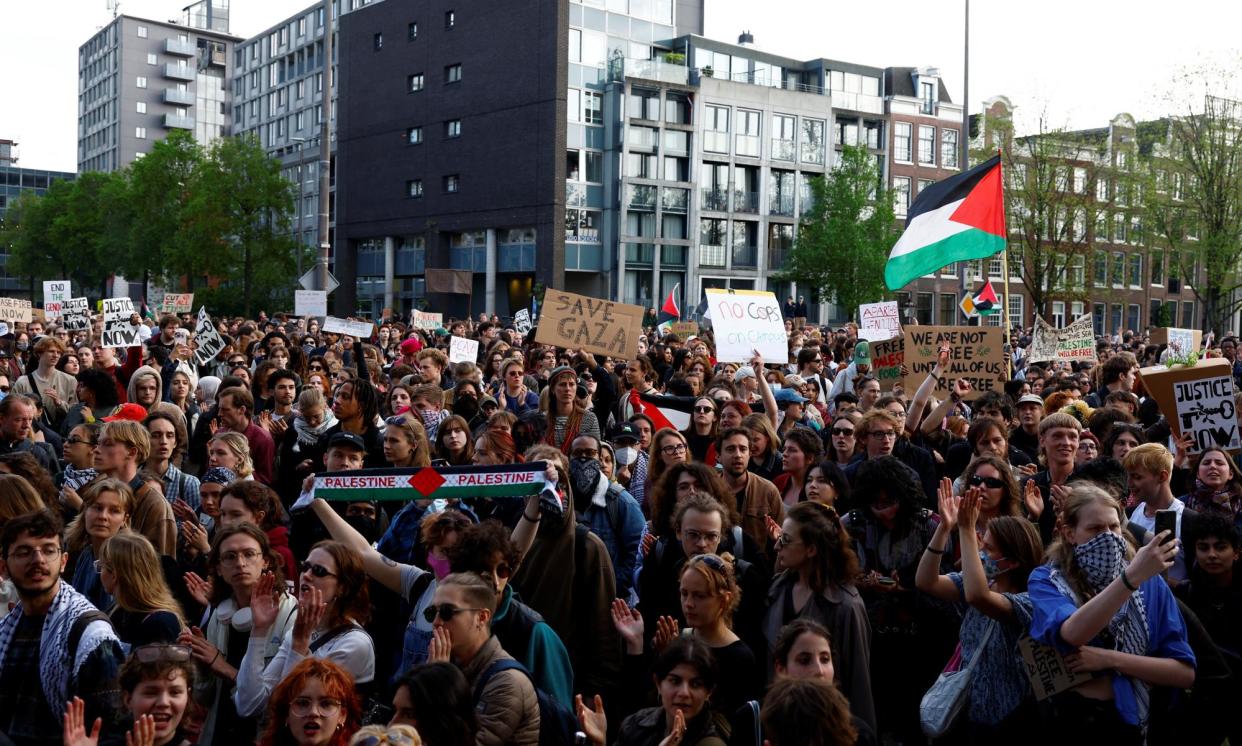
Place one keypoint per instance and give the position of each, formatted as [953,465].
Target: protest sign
[1046,669]
[521,321]
[577,322]
[745,321]
[177,303]
[684,329]
[879,321]
[887,357]
[1196,400]
[976,356]
[208,338]
[1182,341]
[462,350]
[15,309]
[310,302]
[55,293]
[117,331]
[444,482]
[1074,342]
[75,315]
[426,321]
[358,329]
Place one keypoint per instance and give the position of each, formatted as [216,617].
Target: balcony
[781,204]
[675,200]
[173,121]
[777,257]
[744,201]
[180,98]
[180,72]
[640,197]
[715,199]
[745,257]
[180,48]
[711,256]
[665,72]
[639,253]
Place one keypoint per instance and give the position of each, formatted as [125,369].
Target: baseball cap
[128,411]
[625,431]
[1030,399]
[862,352]
[789,396]
[743,372]
[411,346]
[488,400]
[347,440]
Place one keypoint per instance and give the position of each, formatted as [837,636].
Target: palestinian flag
[986,302]
[669,312]
[955,220]
[446,482]
[664,411]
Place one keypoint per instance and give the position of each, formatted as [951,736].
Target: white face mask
[626,455]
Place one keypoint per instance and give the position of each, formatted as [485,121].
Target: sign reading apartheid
[117,331]
[976,355]
[887,358]
[445,482]
[879,321]
[746,321]
[1074,342]
[76,315]
[577,322]
[1197,400]
[207,337]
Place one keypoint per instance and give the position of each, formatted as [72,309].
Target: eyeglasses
[885,435]
[586,453]
[785,540]
[446,612]
[25,554]
[100,565]
[239,361]
[705,410]
[502,570]
[76,441]
[247,555]
[302,706]
[696,536]
[673,449]
[990,482]
[316,569]
[842,431]
[396,738]
[155,653]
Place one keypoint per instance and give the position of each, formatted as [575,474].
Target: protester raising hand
[200,590]
[593,720]
[667,630]
[629,624]
[263,604]
[1033,499]
[75,729]
[311,610]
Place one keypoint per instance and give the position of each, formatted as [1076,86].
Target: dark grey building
[15,181]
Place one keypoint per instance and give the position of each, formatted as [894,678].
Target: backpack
[557,724]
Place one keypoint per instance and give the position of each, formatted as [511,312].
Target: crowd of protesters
[726,552]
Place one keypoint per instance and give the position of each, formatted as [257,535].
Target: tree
[161,185]
[845,236]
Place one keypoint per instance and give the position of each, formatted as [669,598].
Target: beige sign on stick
[684,329]
[887,358]
[977,355]
[1197,400]
[15,309]
[600,326]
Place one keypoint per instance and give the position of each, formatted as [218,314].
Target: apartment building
[14,181]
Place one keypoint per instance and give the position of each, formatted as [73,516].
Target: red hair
[742,407]
[501,443]
[337,683]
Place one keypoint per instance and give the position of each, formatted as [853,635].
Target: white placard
[117,331]
[1206,410]
[55,293]
[426,320]
[521,321]
[208,338]
[880,321]
[356,329]
[177,303]
[1182,341]
[76,315]
[310,302]
[462,350]
[746,321]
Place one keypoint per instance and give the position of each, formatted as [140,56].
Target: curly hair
[258,498]
[663,499]
[819,526]
[702,502]
[888,476]
[720,574]
[337,684]
[478,543]
[807,712]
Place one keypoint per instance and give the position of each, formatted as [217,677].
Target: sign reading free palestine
[446,482]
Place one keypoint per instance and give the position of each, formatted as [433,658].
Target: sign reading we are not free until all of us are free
[976,355]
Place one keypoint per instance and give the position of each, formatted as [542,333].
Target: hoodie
[131,389]
[279,539]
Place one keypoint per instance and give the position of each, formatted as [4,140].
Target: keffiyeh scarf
[309,436]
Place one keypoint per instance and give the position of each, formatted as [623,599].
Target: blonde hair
[237,443]
[400,735]
[1152,458]
[1061,553]
[416,434]
[131,435]
[75,536]
[17,497]
[140,585]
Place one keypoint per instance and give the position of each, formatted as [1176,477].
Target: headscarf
[209,385]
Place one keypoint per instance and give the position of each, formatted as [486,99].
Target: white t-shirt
[1177,573]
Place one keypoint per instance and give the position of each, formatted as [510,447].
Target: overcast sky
[1082,62]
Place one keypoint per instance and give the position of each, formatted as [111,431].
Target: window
[140,133]
[575,45]
[784,137]
[1132,317]
[377,41]
[414,135]
[452,128]
[927,93]
[452,182]
[923,308]
[1080,180]
[901,194]
[813,141]
[573,105]
[948,309]
[748,133]
[1101,189]
[1136,270]
[1118,270]
[141,107]
[414,82]
[594,166]
[847,131]
[644,104]
[572,172]
[1058,313]
[716,139]
[927,145]
[948,148]
[592,107]
[450,18]
[452,73]
[414,188]
[151,59]
[411,31]
[142,32]
[142,81]
[901,142]
[1016,311]
[1157,267]
[1101,269]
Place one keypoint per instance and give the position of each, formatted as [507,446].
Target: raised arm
[978,594]
[927,577]
[385,571]
[1092,617]
[925,389]
[765,389]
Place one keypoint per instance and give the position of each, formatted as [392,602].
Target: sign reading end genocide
[745,321]
[1074,342]
[1197,400]
[976,355]
[117,331]
[577,322]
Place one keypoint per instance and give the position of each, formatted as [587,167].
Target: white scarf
[54,664]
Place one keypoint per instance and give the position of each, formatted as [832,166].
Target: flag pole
[1005,271]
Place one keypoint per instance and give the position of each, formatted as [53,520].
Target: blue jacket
[619,524]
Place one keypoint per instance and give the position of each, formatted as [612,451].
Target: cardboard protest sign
[310,302]
[521,321]
[117,331]
[745,321]
[684,329]
[210,343]
[1183,341]
[887,357]
[426,321]
[358,329]
[463,350]
[879,321]
[977,356]
[449,281]
[177,303]
[1074,342]
[1046,669]
[75,314]
[15,309]
[603,327]
[1197,400]
[55,293]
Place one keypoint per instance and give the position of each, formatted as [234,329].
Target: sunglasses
[711,561]
[990,482]
[842,431]
[446,612]
[704,409]
[315,569]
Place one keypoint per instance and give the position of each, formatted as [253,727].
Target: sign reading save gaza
[977,356]
[577,322]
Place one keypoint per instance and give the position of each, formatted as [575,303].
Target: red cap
[129,411]
[411,346]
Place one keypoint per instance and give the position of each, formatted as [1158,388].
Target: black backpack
[557,724]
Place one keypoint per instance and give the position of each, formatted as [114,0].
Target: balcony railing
[745,257]
[180,48]
[665,72]
[174,121]
[675,200]
[781,204]
[715,199]
[744,201]
[777,257]
[640,197]
[180,98]
[179,72]
[783,150]
[711,256]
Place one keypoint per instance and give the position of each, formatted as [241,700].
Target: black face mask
[466,406]
[368,527]
[584,476]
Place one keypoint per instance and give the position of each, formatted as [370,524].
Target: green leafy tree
[161,186]
[844,239]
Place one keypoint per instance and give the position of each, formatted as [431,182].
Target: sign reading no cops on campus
[746,321]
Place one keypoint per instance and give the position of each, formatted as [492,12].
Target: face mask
[308,347]
[365,526]
[584,475]
[439,566]
[23,345]
[430,418]
[992,567]
[1102,559]
[466,406]
[627,455]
